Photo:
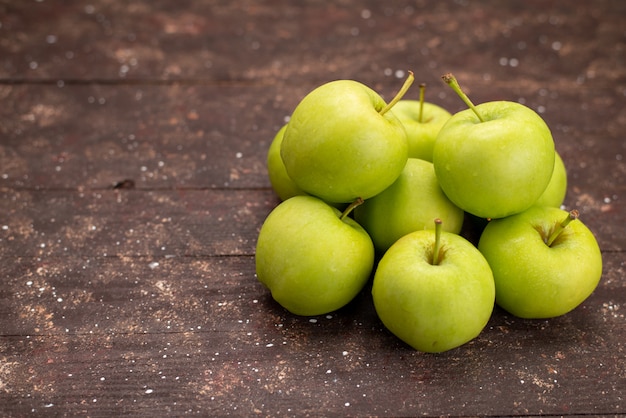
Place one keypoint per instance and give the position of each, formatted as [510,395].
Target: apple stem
[403,90]
[560,227]
[422,91]
[351,207]
[437,246]
[450,80]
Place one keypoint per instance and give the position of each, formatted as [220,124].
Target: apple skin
[410,204]
[554,195]
[433,308]
[421,135]
[312,261]
[534,280]
[498,167]
[338,146]
[282,184]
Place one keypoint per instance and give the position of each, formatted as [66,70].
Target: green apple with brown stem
[434,290]
[494,159]
[545,261]
[422,121]
[343,142]
[313,258]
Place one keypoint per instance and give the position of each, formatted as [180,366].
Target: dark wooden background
[133,183]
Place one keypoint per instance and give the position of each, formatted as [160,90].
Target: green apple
[422,122]
[313,258]
[342,142]
[494,159]
[545,263]
[282,184]
[409,204]
[434,290]
[554,195]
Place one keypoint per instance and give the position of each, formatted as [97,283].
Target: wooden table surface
[133,183]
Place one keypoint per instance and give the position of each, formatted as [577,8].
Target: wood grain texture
[107,336]
[277,40]
[133,183]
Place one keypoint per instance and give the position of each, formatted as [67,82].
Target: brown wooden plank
[186,222]
[127,295]
[201,335]
[130,223]
[270,40]
[184,374]
[96,136]
[81,296]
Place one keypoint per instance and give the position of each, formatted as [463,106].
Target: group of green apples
[370,188]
